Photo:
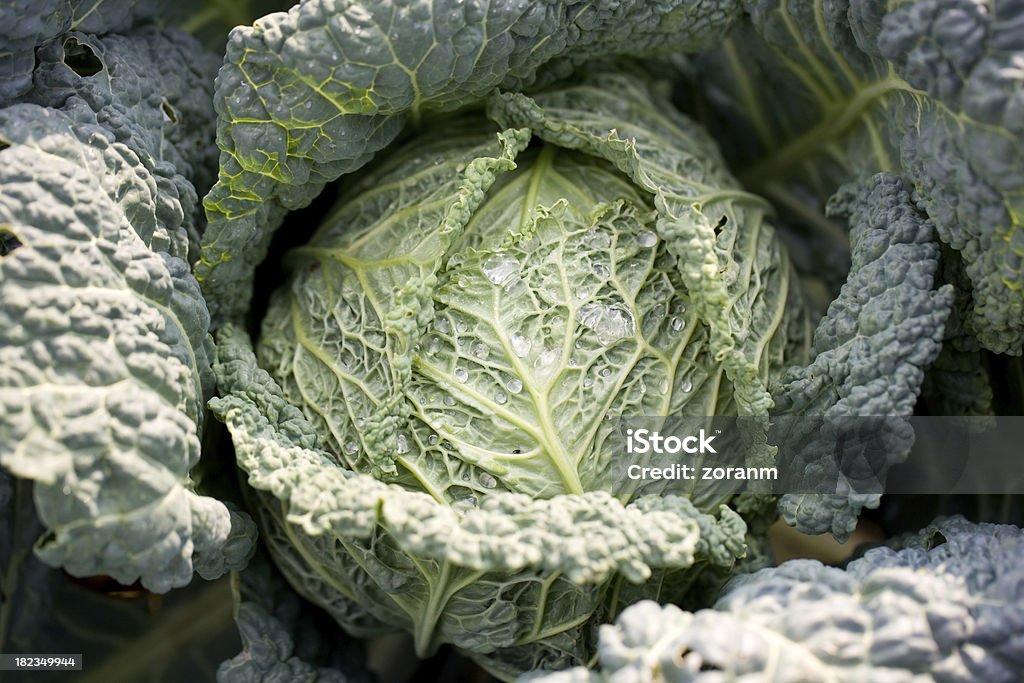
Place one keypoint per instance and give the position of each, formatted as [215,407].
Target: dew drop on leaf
[502,270]
[595,239]
[521,345]
[609,323]
[646,239]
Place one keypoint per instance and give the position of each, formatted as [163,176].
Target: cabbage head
[426,427]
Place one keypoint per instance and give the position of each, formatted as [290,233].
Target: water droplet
[547,360]
[588,382]
[595,239]
[664,386]
[308,105]
[443,326]
[676,323]
[449,400]
[480,350]
[500,398]
[601,270]
[583,293]
[432,439]
[514,385]
[461,374]
[573,363]
[551,287]
[686,387]
[461,327]
[521,345]
[66,490]
[465,476]
[646,239]
[402,444]
[435,346]
[465,504]
[447,445]
[606,371]
[609,323]
[351,447]
[502,270]
[488,481]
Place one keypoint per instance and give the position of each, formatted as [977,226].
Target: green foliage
[946,606]
[817,93]
[528,242]
[28,24]
[311,95]
[863,364]
[456,337]
[104,345]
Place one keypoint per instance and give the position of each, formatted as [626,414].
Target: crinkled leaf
[184,634]
[146,103]
[872,347]
[284,638]
[27,24]
[736,273]
[312,94]
[104,345]
[515,582]
[814,94]
[951,612]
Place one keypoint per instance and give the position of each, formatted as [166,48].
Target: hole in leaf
[721,224]
[81,59]
[170,116]
[8,242]
[935,540]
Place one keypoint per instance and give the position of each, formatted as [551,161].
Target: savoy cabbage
[531,220]
[942,605]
